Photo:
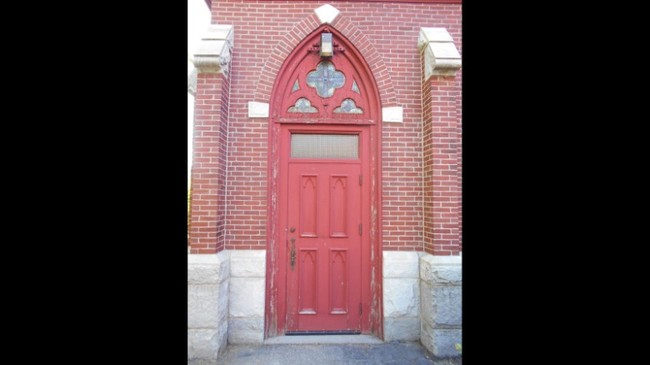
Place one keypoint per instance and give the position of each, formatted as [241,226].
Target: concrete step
[323,339]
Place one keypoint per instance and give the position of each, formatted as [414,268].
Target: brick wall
[441,136]
[259,26]
[209,163]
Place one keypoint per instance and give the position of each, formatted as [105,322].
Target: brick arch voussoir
[302,29]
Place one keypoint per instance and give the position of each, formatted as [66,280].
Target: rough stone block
[222,335]
[449,305]
[441,342]
[246,330]
[400,264]
[426,303]
[401,329]
[203,346]
[208,269]
[248,263]
[441,270]
[440,305]
[203,306]
[223,301]
[246,297]
[401,297]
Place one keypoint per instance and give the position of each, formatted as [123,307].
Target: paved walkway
[393,353]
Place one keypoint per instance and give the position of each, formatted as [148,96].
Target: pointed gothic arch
[332,94]
[348,29]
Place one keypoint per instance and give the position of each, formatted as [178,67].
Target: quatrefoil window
[325,79]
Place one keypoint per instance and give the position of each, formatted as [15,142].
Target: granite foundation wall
[441,304]
[208,281]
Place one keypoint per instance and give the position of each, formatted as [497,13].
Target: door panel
[308,205]
[324,252]
[308,276]
[338,282]
[338,206]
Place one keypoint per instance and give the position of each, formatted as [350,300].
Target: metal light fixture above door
[326,47]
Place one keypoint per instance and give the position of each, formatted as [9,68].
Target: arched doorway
[324,250]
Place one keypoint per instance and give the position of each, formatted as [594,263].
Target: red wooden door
[324,217]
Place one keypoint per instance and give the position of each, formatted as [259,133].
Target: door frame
[275,293]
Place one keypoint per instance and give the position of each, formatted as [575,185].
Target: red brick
[422,162]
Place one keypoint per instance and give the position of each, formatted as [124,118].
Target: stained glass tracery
[302,105]
[325,79]
[348,106]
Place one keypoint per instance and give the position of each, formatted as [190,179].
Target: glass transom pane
[341,146]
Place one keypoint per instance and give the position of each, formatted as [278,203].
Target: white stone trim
[441,56]
[248,263]
[246,302]
[433,35]
[401,292]
[392,114]
[208,269]
[258,110]
[327,13]
[213,54]
[191,83]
